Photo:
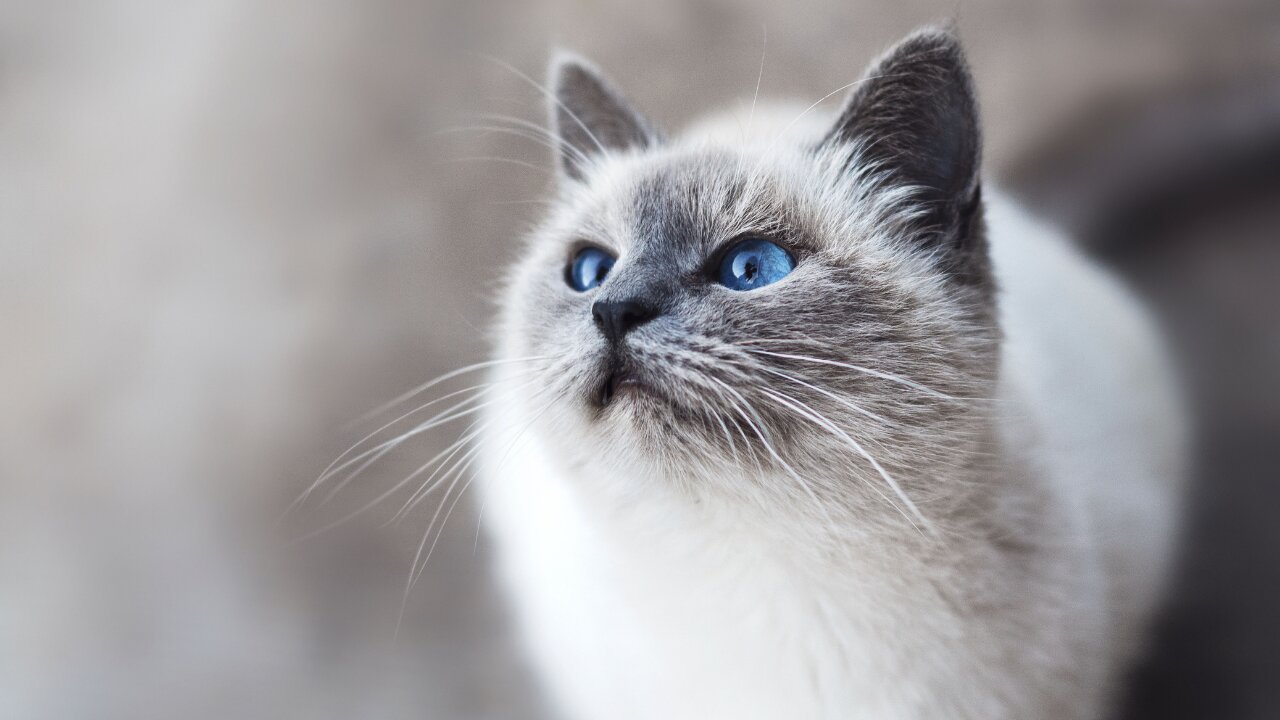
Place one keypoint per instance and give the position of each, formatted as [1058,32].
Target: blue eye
[589,268]
[754,263]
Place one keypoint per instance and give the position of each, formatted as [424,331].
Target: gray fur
[917,118]
[844,447]
[855,228]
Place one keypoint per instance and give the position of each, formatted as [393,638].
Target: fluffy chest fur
[690,618]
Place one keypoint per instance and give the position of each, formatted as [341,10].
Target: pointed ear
[589,117]
[914,116]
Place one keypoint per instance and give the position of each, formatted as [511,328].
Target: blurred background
[228,229]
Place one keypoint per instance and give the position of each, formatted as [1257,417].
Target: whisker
[522,202]
[843,401]
[552,97]
[415,571]
[377,452]
[733,446]
[504,160]
[342,484]
[769,447]
[746,441]
[454,413]
[443,523]
[858,368]
[439,457]
[442,378]
[764,44]
[822,421]
[468,458]
[431,483]
[541,131]
[813,415]
[482,388]
[524,134]
[506,454]
[377,500]
[413,574]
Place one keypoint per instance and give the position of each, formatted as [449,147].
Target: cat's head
[805,296]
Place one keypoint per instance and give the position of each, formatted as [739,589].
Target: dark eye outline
[712,268]
[578,250]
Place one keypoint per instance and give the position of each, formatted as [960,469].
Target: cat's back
[1085,364]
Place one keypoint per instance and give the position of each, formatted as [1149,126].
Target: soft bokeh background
[229,227]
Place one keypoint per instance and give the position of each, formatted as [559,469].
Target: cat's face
[717,306]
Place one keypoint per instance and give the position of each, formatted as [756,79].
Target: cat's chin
[641,414]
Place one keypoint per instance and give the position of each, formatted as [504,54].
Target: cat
[800,420]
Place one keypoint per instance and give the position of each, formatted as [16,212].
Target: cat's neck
[688,520]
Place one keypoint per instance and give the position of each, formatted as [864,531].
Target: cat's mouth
[636,388]
[621,378]
[620,381]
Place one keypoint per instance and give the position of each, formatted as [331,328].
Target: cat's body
[758,563]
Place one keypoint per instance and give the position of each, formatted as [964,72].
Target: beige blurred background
[229,228]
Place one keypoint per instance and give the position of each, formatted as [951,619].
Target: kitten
[800,421]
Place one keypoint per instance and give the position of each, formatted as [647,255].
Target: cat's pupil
[750,270]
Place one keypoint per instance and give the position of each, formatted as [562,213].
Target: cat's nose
[615,318]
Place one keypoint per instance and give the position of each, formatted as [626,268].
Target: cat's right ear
[590,118]
[914,118]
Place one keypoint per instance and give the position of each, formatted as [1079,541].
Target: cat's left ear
[591,118]
[914,118]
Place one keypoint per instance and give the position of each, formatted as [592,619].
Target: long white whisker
[541,131]
[443,523]
[483,389]
[454,413]
[813,415]
[733,446]
[746,442]
[516,132]
[505,161]
[552,97]
[506,454]
[415,572]
[857,368]
[402,483]
[459,466]
[374,502]
[430,484]
[442,378]
[710,411]
[764,45]
[768,446]
[843,401]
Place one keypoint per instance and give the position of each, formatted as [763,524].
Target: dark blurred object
[1178,189]
[1132,166]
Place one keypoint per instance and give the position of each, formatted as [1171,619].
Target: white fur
[649,605]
